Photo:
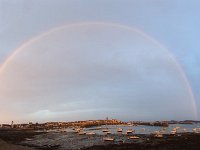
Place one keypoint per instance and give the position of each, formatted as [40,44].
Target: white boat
[98,128]
[105,130]
[185,130]
[81,133]
[156,132]
[129,124]
[158,135]
[134,137]
[164,128]
[119,130]
[129,131]
[196,130]
[173,132]
[90,133]
[108,139]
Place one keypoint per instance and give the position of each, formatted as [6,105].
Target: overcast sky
[99,62]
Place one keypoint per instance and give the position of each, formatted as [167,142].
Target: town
[88,123]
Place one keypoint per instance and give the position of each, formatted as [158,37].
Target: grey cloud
[108,71]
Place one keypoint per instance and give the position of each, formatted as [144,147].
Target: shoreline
[185,141]
[30,140]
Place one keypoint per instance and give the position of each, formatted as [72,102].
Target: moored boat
[119,130]
[105,130]
[134,137]
[108,139]
[90,133]
[129,131]
[158,135]
[82,133]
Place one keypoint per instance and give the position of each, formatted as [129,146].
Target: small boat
[185,130]
[134,137]
[108,132]
[156,132]
[82,133]
[129,124]
[129,131]
[105,130]
[173,132]
[158,135]
[196,130]
[98,128]
[164,128]
[119,130]
[90,133]
[108,139]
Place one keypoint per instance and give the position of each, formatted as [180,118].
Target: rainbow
[131,29]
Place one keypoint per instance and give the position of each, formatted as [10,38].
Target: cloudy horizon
[95,69]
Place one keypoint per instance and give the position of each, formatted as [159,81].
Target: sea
[143,129]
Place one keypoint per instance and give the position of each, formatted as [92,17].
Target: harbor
[115,136]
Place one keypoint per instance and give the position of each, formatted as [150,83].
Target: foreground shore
[8,146]
[10,139]
[183,142]
[30,140]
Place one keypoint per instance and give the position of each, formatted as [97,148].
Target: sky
[71,60]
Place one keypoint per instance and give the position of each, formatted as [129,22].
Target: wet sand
[29,140]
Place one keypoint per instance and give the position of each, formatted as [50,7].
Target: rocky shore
[10,139]
[31,140]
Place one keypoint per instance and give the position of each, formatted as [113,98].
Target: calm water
[142,129]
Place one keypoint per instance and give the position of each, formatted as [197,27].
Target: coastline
[31,140]
[183,142]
